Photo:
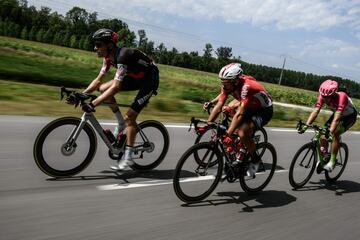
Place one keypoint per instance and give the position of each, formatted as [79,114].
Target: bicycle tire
[310,148]
[209,148]
[155,125]
[340,162]
[245,183]
[200,137]
[42,162]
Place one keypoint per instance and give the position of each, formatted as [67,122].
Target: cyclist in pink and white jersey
[343,117]
[254,108]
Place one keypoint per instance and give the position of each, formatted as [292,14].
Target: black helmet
[105,35]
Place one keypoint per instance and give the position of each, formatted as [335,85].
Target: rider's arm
[110,92]
[95,84]
[312,116]
[319,103]
[237,118]
[335,122]
[215,112]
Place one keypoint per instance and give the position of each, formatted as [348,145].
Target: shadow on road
[339,187]
[266,199]
[124,175]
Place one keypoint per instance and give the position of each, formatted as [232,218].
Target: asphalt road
[97,204]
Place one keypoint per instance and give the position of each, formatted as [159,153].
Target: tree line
[75,29]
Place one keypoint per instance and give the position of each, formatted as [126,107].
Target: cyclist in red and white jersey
[134,71]
[254,108]
[343,117]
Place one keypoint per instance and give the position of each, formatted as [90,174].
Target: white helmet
[231,71]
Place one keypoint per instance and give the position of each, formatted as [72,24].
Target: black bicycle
[260,135]
[66,146]
[203,165]
[305,160]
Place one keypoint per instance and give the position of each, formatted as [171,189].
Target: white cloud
[330,47]
[335,65]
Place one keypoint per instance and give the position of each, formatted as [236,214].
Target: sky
[314,36]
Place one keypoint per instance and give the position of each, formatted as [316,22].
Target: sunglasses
[99,44]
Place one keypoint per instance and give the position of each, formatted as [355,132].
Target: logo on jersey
[244,90]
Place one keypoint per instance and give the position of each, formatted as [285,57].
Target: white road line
[158,182]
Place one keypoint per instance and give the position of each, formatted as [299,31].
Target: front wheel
[302,166]
[341,161]
[57,154]
[266,169]
[151,145]
[194,182]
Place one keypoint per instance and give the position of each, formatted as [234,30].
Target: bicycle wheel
[193,182]
[54,157]
[265,172]
[303,165]
[260,136]
[341,161]
[207,136]
[151,145]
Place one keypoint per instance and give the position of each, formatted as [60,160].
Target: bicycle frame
[89,117]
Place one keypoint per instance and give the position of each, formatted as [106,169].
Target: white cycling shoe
[252,169]
[329,166]
[123,164]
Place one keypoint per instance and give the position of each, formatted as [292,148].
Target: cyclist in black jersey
[134,71]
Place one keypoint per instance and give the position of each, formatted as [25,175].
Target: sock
[121,121]
[128,152]
[333,158]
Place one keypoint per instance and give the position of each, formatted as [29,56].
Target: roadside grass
[34,69]
[42,100]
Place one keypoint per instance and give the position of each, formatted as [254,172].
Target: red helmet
[328,88]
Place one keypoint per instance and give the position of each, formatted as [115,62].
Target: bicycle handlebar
[220,129]
[77,97]
[324,130]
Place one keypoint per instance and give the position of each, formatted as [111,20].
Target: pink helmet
[328,88]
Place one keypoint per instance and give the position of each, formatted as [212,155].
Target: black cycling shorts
[260,117]
[346,121]
[147,87]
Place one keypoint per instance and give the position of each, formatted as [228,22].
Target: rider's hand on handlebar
[302,129]
[227,109]
[202,130]
[207,105]
[71,100]
[88,107]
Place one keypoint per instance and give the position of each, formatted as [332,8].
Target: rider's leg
[115,109]
[130,120]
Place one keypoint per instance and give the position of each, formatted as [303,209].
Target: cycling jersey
[132,61]
[250,92]
[339,103]
[136,71]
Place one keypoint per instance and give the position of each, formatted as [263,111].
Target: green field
[30,72]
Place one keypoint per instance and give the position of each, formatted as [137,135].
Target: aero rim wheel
[54,158]
[152,144]
[341,161]
[302,166]
[265,172]
[194,182]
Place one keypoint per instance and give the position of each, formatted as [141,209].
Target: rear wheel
[151,145]
[194,182]
[341,161]
[265,172]
[303,165]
